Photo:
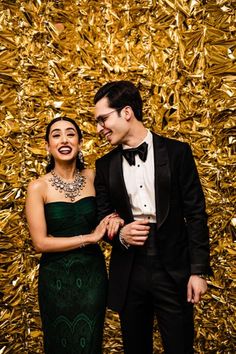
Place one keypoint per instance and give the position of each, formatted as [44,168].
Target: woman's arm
[38,228]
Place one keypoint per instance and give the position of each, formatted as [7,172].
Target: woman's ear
[47,147]
[80,144]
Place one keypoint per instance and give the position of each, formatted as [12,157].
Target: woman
[61,213]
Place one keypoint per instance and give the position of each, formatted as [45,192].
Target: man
[160,255]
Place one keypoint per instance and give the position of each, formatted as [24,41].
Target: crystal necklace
[70,189]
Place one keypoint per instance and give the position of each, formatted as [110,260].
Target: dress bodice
[66,219]
[70,219]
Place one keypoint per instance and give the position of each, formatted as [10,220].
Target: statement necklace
[70,189]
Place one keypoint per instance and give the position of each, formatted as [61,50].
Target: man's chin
[110,140]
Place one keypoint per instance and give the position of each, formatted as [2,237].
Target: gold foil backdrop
[53,57]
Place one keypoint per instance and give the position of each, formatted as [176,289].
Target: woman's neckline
[65,202]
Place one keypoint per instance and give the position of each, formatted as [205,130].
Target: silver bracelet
[83,244]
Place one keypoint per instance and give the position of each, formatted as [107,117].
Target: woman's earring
[80,156]
[48,158]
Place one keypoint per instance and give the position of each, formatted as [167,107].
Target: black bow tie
[141,150]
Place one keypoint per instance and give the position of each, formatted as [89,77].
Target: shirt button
[141,186]
[145,205]
[138,165]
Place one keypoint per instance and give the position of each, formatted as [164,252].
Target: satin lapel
[118,190]
[162,179]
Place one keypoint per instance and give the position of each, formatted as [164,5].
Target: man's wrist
[203,276]
[122,241]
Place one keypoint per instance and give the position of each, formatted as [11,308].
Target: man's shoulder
[109,155]
[170,142]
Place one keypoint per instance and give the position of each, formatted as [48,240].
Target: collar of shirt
[147,139]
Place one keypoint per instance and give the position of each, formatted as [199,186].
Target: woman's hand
[114,223]
[101,229]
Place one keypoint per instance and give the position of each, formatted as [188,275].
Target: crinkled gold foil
[53,57]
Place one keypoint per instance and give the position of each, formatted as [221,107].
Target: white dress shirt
[139,182]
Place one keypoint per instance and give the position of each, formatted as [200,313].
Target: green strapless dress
[72,284]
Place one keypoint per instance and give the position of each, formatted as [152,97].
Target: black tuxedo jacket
[182,232]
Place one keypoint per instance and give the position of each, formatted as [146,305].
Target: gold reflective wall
[53,57]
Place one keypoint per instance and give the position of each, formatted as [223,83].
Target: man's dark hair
[121,94]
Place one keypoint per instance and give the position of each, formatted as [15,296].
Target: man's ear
[128,112]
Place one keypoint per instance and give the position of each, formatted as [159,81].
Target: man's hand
[196,288]
[136,232]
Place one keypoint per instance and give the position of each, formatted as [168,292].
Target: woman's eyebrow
[58,130]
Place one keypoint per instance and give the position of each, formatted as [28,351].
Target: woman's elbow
[40,246]
[37,247]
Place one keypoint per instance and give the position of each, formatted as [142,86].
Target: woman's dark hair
[120,94]
[51,163]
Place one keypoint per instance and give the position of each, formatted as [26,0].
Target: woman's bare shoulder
[39,185]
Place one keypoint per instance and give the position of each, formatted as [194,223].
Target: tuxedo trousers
[153,293]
